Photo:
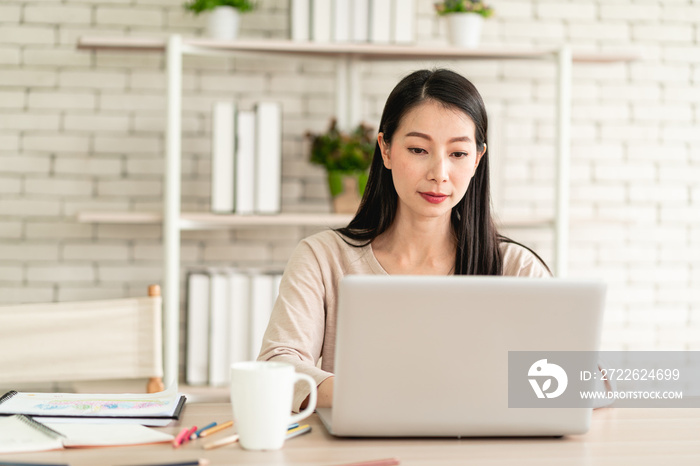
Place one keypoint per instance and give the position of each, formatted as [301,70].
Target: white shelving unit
[346,57]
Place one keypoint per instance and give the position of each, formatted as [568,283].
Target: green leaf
[335,182]
[199,6]
[336,150]
[463,6]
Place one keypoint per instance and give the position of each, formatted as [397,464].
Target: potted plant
[346,157]
[465,19]
[224,15]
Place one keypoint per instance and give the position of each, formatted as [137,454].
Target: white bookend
[268,159]
[380,21]
[300,20]
[261,289]
[245,163]
[404,19]
[218,330]
[197,358]
[222,168]
[321,20]
[341,20]
[359,21]
[239,299]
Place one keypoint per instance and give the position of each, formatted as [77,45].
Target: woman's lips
[434,198]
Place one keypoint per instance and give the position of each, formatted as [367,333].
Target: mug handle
[312,398]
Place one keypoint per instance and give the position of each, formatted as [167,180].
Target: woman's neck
[417,247]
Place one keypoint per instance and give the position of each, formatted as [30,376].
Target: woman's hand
[325,394]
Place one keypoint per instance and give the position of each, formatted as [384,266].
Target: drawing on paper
[100,406]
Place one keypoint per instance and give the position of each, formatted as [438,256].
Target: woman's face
[432,158]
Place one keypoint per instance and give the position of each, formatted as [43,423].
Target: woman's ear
[384,149]
[479,155]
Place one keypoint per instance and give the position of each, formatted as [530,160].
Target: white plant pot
[464,29]
[223,23]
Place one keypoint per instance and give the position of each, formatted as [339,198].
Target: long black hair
[475,232]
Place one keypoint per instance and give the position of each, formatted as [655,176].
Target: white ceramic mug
[261,397]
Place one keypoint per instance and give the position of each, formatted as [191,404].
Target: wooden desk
[618,437]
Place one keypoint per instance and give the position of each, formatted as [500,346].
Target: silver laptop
[427,356]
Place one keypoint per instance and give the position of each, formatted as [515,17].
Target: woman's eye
[460,155]
[416,150]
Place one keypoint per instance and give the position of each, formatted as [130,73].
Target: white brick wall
[59,14]
[83,131]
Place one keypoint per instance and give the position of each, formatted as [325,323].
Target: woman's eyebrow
[419,135]
[461,139]
[426,136]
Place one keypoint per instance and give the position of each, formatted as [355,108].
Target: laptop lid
[428,355]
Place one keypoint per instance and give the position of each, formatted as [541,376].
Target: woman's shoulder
[332,253]
[330,243]
[519,261]
[328,239]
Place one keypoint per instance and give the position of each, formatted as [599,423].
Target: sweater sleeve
[296,330]
[519,261]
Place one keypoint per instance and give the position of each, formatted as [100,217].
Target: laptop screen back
[428,355]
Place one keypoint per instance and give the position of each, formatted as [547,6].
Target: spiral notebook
[20,433]
[153,409]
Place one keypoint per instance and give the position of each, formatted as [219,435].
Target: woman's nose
[438,169]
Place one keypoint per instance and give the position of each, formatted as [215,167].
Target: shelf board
[364,51]
[210,221]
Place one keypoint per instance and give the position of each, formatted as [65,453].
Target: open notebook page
[20,434]
[101,435]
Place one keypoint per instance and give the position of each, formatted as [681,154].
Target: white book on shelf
[380,21]
[359,21]
[239,319]
[245,162]
[197,354]
[268,157]
[404,21]
[341,20]
[218,329]
[261,291]
[300,20]
[222,166]
[321,20]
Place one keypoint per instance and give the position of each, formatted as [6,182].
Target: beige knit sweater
[302,327]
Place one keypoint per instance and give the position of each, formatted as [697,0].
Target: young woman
[425,211]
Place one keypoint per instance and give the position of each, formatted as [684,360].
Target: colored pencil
[293,426]
[221,442]
[216,429]
[383,462]
[196,434]
[189,434]
[180,437]
[305,429]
